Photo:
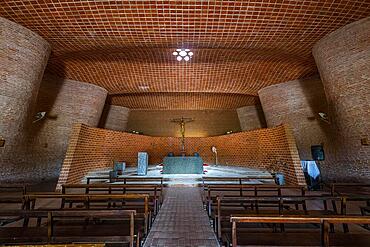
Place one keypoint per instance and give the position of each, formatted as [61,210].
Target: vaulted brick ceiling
[239,46]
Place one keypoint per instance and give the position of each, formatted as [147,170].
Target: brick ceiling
[239,46]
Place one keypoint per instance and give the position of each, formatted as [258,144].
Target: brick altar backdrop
[92,148]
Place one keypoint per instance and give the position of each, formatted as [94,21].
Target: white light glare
[183,54]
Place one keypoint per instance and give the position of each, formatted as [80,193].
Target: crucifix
[182,121]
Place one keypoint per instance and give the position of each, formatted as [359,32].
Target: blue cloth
[311,167]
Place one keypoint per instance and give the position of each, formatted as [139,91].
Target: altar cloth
[183,165]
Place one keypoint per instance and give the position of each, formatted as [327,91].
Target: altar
[183,165]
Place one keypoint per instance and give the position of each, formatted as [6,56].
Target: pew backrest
[323,221]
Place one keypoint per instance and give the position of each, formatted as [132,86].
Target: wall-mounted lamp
[2,142]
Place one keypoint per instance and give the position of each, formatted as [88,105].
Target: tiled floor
[182,221]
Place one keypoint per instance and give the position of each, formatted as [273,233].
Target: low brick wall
[93,148]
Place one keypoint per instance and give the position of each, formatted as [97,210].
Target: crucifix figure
[182,121]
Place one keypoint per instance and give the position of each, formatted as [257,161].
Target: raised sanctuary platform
[183,165]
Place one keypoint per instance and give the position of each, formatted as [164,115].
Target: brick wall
[343,60]
[114,117]
[66,102]
[206,122]
[251,117]
[92,148]
[298,103]
[23,57]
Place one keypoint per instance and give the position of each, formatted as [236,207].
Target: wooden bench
[272,205]
[347,188]
[128,180]
[98,202]
[72,227]
[250,190]
[63,227]
[155,192]
[323,238]
[11,196]
[235,180]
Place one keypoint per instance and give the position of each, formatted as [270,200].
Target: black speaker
[317,152]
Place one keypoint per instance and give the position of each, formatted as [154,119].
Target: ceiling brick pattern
[239,46]
[182,101]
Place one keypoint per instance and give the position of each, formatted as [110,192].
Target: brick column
[23,58]
[297,103]
[343,60]
[115,117]
[251,117]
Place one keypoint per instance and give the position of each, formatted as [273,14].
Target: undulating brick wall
[23,58]
[343,60]
[206,122]
[65,102]
[92,148]
[114,117]
[251,117]
[298,103]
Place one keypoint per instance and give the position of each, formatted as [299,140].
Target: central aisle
[182,221]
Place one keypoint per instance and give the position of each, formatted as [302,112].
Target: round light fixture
[183,54]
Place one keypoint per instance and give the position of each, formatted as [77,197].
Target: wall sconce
[2,142]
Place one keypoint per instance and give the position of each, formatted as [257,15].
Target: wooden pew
[273,205]
[155,192]
[91,232]
[97,202]
[206,181]
[353,198]
[131,180]
[347,188]
[324,238]
[71,226]
[11,196]
[250,190]
[127,180]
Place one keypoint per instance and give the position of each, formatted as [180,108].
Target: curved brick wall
[296,103]
[23,58]
[251,117]
[343,60]
[66,102]
[92,148]
[115,117]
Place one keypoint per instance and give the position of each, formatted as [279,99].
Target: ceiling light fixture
[143,87]
[183,54]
